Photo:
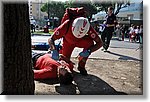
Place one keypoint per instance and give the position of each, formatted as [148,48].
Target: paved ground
[118,71]
[105,77]
[119,50]
[123,50]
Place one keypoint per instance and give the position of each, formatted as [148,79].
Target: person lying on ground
[47,68]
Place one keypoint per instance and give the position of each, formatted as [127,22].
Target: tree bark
[18,75]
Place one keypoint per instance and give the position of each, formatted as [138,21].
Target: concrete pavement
[118,50]
[125,51]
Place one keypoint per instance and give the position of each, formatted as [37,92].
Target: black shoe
[102,49]
[82,71]
[105,50]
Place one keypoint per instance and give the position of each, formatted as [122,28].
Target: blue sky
[93,0]
[136,0]
[106,0]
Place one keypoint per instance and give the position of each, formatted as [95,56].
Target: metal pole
[48,11]
[39,13]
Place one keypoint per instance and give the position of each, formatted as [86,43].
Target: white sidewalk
[118,50]
[114,54]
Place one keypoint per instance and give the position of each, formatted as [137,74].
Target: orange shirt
[46,67]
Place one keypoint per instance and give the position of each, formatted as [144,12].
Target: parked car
[40,42]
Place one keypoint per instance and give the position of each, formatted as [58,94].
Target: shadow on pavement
[66,89]
[122,47]
[48,81]
[123,57]
[87,85]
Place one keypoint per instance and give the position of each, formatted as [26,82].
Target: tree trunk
[18,74]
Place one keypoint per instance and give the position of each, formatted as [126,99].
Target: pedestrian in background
[141,34]
[109,28]
[137,33]
[130,32]
[118,31]
[133,34]
[32,26]
[123,31]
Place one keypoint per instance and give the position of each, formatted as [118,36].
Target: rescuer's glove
[55,55]
[85,53]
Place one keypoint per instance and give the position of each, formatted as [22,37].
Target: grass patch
[42,32]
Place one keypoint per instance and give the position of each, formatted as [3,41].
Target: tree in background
[87,4]
[18,76]
[54,9]
[57,9]
[117,5]
[121,5]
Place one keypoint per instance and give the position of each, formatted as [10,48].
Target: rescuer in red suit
[76,33]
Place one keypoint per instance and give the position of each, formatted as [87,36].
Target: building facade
[36,15]
[132,12]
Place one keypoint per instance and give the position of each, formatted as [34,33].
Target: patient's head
[64,74]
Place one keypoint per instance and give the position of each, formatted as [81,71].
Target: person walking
[123,31]
[137,33]
[141,34]
[109,28]
[130,32]
[118,31]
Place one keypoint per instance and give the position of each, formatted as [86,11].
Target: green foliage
[87,4]
[120,6]
[44,8]
[55,9]
[103,6]
[42,32]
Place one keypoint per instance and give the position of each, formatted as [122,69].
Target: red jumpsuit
[70,41]
[46,67]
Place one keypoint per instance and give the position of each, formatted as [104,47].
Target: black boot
[82,71]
